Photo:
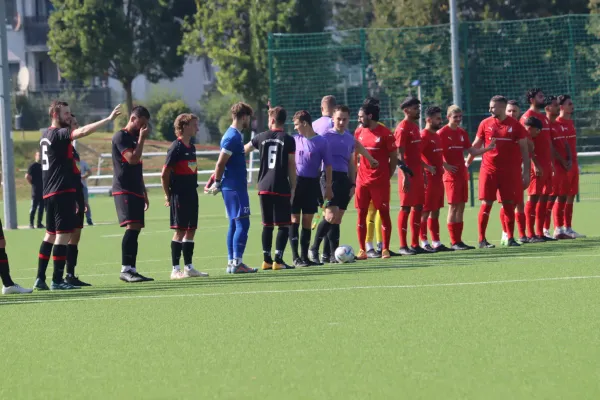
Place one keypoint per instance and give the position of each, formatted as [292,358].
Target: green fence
[561,55]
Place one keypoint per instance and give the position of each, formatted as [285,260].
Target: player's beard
[63,123]
[539,105]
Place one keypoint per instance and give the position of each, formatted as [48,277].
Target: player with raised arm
[312,155]
[129,190]
[411,183]
[230,179]
[325,122]
[455,141]
[56,148]
[179,179]
[501,169]
[561,156]
[568,127]
[73,246]
[433,161]
[373,180]
[276,185]
[541,169]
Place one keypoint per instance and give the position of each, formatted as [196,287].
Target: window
[11,13]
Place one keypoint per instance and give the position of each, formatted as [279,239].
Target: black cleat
[484,244]
[90,223]
[41,226]
[133,277]
[427,249]
[419,250]
[535,239]
[74,280]
[512,243]
[313,257]
[460,246]
[325,259]
[393,254]
[548,239]
[332,260]
[442,248]
[524,240]
[373,254]
[300,263]
[280,264]
[405,251]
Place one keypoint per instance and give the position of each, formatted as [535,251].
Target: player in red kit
[411,183]
[566,120]
[455,141]
[541,169]
[373,184]
[433,162]
[561,155]
[501,167]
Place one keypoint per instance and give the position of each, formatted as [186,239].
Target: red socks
[434,228]
[415,226]
[403,226]
[540,217]
[530,218]
[484,217]
[568,215]
[386,228]
[503,219]
[548,219]
[559,214]
[509,220]
[521,224]
[361,227]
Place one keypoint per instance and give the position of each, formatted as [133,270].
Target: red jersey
[379,142]
[454,144]
[568,128]
[543,142]
[559,141]
[408,137]
[507,134]
[432,153]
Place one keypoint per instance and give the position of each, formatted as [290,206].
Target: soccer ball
[344,254]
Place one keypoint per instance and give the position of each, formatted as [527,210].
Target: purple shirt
[342,147]
[322,125]
[310,153]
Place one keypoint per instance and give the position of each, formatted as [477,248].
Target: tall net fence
[560,55]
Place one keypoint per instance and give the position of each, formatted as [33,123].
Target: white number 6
[272,156]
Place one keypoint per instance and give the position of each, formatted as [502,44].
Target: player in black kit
[128,189]
[276,185]
[34,177]
[179,181]
[56,149]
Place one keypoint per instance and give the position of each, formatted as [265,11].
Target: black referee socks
[333,237]
[305,242]
[294,228]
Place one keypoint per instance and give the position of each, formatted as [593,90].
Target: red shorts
[506,183]
[457,191]
[573,180]
[519,200]
[434,195]
[560,182]
[416,194]
[540,185]
[377,192]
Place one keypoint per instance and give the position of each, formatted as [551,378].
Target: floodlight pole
[8,164]
[456,87]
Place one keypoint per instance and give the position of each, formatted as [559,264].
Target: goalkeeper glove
[405,169]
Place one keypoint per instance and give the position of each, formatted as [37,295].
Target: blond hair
[453,109]
[182,121]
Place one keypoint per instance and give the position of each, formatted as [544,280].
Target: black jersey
[274,148]
[182,161]
[77,171]
[127,178]
[56,149]
[37,185]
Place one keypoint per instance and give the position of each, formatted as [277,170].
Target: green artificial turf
[518,323]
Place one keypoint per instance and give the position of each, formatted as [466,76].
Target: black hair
[514,103]
[563,98]
[499,99]
[371,107]
[549,99]
[140,112]
[431,111]
[534,123]
[531,93]
[409,102]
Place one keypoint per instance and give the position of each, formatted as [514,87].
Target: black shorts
[275,210]
[80,200]
[184,211]
[340,186]
[307,196]
[61,214]
[130,209]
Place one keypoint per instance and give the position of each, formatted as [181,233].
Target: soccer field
[507,323]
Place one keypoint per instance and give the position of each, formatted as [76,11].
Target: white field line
[337,289]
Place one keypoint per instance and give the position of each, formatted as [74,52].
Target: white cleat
[191,272]
[177,274]
[15,289]
[574,234]
[547,234]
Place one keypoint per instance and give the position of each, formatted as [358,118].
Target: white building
[29,63]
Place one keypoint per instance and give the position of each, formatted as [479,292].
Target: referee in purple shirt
[312,151]
[325,123]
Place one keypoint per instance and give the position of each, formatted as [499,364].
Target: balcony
[36,31]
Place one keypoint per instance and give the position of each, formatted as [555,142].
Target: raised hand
[115,113]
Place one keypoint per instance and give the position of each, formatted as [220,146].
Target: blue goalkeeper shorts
[237,203]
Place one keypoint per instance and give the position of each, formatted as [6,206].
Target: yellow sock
[378,234]
[371,223]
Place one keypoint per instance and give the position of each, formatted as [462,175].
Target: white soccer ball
[344,254]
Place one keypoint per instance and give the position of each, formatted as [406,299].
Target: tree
[120,39]
[351,14]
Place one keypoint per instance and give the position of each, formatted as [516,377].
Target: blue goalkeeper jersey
[235,176]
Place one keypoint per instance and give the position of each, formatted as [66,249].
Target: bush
[166,117]
[214,112]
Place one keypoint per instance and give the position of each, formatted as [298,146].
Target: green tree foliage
[214,112]
[120,39]
[165,118]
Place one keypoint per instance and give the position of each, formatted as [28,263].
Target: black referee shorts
[307,196]
[80,200]
[184,211]
[276,210]
[340,187]
[61,214]
[130,209]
